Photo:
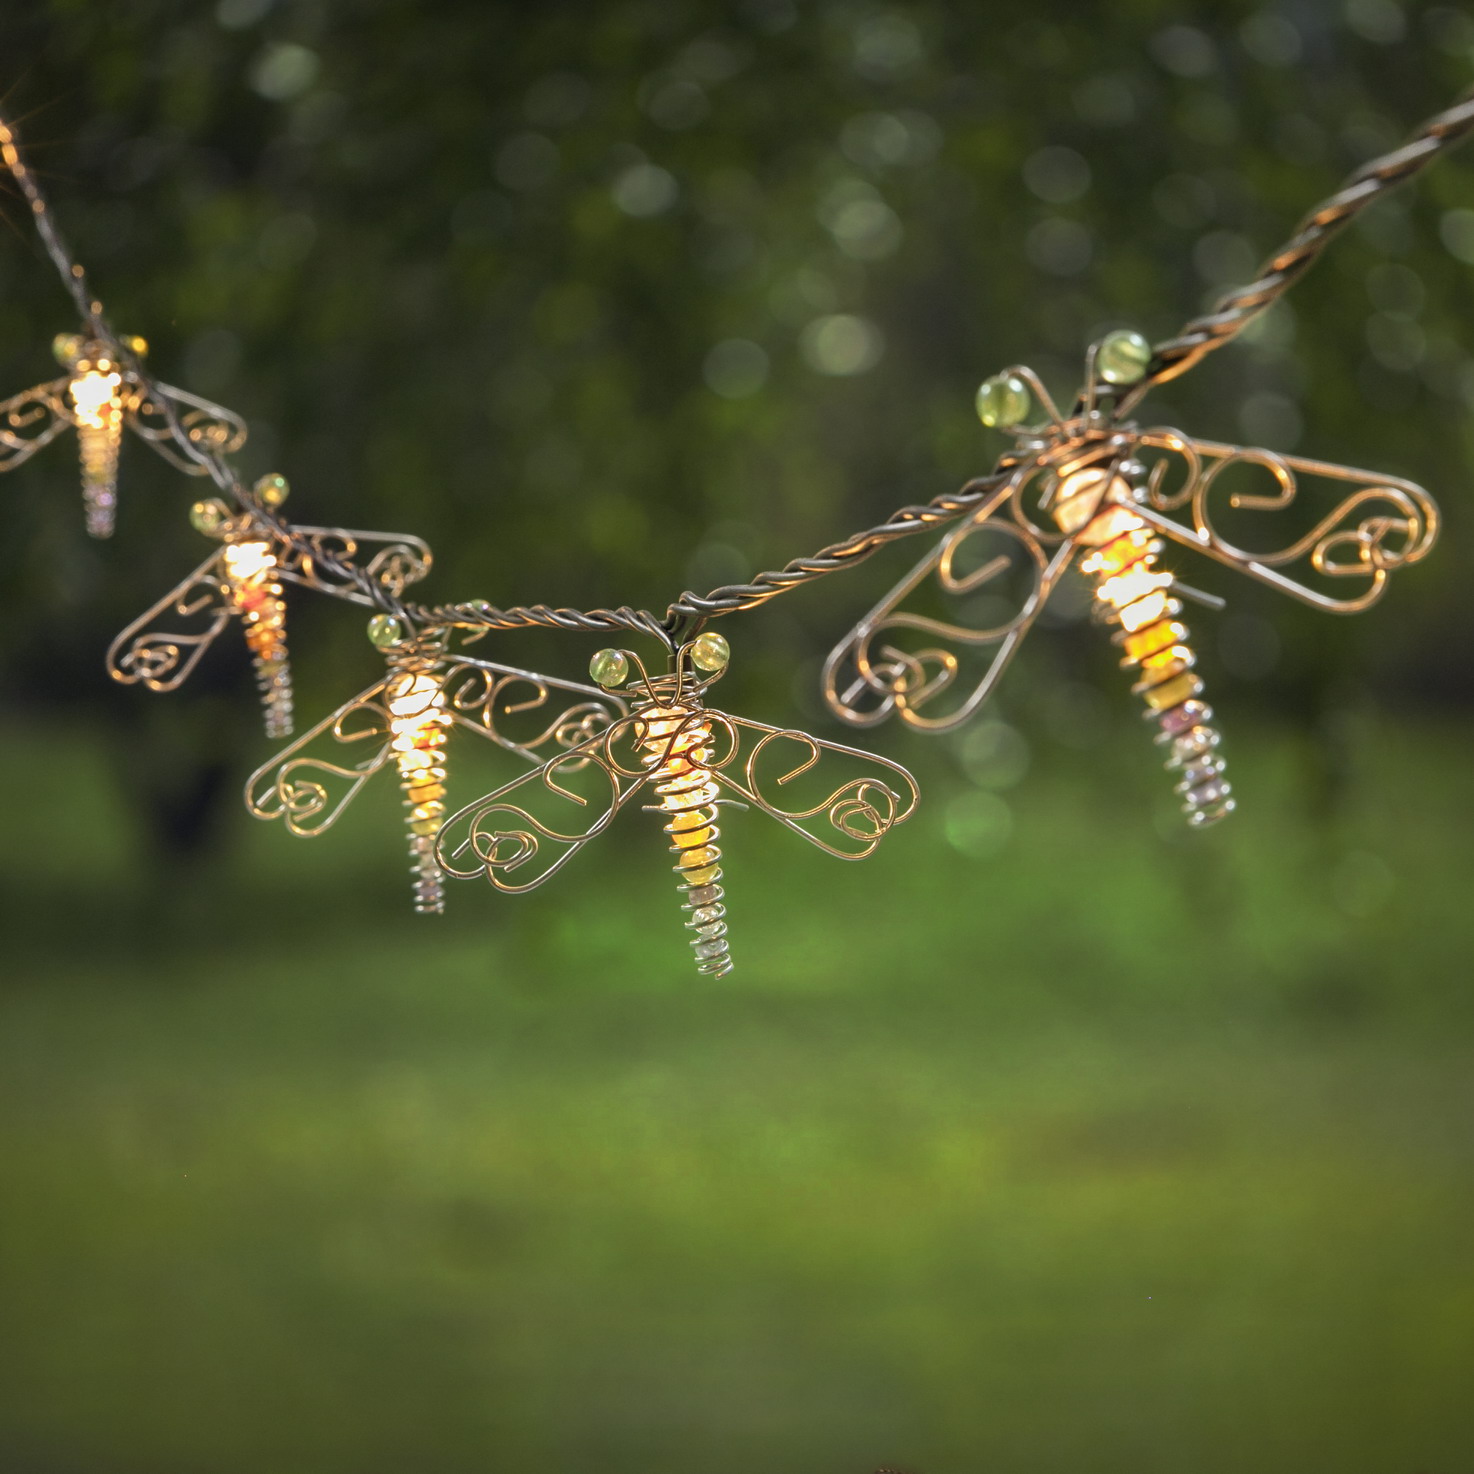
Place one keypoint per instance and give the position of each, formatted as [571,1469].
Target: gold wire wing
[852,818]
[577,794]
[1381,524]
[394,560]
[210,426]
[162,659]
[308,791]
[484,696]
[31,420]
[864,683]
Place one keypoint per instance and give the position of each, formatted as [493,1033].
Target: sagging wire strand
[1170,358]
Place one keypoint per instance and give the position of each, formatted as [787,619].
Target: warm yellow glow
[417,722]
[1126,588]
[247,561]
[1094,506]
[1078,498]
[96,399]
[1145,611]
[1120,552]
[1163,660]
[1173,692]
[251,576]
[1150,640]
[678,749]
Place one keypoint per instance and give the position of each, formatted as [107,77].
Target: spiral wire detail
[418,720]
[251,573]
[676,746]
[1133,592]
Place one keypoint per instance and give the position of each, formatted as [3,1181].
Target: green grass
[1112,1151]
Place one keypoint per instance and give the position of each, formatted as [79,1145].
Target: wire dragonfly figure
[242,581]
[101,395]
[688,761]
[402,723]
[1096,487]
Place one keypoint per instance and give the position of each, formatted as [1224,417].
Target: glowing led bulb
[677,746]
[250,576]
[97,408]
[417,726]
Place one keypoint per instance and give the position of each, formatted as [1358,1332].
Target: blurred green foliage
[1052,1137]
[1104,1151]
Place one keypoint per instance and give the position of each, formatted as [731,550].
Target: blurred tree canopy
[608,301]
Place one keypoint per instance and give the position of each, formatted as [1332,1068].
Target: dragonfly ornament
[1094,489]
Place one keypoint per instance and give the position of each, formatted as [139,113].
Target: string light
[690,758]
[1092,491]
[98,405]
[418,720]
[251,578]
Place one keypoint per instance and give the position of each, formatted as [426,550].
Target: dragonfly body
[676,748]
[1098,487]
[403,723]
[687,759]
[103,394]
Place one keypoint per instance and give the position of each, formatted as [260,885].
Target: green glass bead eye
[68,348]
[710,652]
[272,491]
[1003,400]
[1122,357]
[209,517]
[385,631]
[609,668]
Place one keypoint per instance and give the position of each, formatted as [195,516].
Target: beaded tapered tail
[98,406]
[677,748]
[418,720]
[1093,504]
[251,575]
[1131,591]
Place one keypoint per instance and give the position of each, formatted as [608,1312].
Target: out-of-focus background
[1053,1137]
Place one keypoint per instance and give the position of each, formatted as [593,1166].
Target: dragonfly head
[694,666]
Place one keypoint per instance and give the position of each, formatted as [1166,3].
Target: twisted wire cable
[1174,356]
[1233,312]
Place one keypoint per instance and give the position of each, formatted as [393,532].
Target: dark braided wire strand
[1199,337]
[1235,311]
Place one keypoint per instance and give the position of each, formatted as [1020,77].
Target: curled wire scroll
[162,659]
[1382,524]
[866,678]
[208,426]
[308,786]
[31,420]
[308,791]
[505,842]
[332,561]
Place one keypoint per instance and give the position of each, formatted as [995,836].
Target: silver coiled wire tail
[676,746]
[418,721]
[1133,592]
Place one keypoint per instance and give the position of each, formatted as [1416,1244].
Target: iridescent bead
[272,490]
[1122,357]
[209,516]
[137,346]
[1003,400]
[68,348]
[710,652]
[609,668]
[385,631]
